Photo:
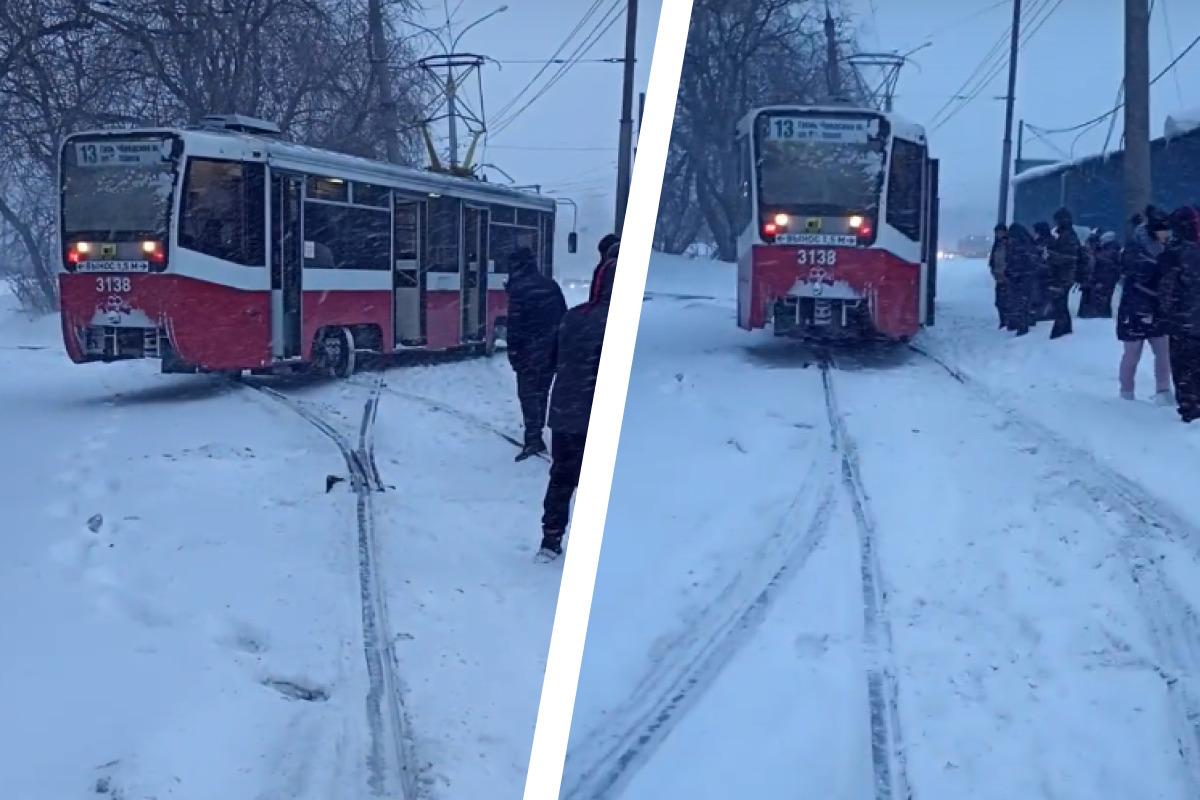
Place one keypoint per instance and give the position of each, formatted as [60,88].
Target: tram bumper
[821,310]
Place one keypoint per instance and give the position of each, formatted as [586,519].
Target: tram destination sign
[834,239]
[819,130]
[127,153]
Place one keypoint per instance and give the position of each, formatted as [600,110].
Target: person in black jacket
[605,245]
[1139,314]
[1180,287]
[580,340]
[1021,274]
[1043,237]
[535,307]
[1067,262]
[996,263]
[1105,273]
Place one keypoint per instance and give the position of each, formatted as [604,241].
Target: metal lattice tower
[450,72]
[877,75]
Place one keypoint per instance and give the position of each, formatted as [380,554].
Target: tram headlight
[149,247]
[856,222]
[83,248]
[781,220]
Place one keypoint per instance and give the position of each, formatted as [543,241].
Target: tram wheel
[337,352]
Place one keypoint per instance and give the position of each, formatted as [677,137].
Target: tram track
[888,757]
[1138,521]
[390,761]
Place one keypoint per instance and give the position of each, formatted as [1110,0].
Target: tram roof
[241,145]
[901,126]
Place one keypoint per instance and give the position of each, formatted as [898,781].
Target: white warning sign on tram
[121,154]
[819,130]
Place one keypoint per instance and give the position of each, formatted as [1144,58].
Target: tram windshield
[820,166]
[117,189]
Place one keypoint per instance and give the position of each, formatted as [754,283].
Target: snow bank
[697,277]
[1182,122]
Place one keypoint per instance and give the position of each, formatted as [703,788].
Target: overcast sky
[1068,72]
[567,139]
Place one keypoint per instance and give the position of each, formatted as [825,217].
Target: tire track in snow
[391,757]
[1141,520]
[889,761]
[698,654]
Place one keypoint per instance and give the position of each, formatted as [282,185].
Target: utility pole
[1009,101]
[1137,107]
[833,77]
[387,123]
[625,155]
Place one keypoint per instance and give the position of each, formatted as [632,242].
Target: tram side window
[547,244]
[223,211]
[344,237]
[334,189]
[406,232]
[905,183]
[444,234]
[745,208]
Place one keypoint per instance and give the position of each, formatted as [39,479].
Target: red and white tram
[838,223]
[226,248]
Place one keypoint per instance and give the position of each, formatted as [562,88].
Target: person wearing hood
[535,307]
[580,341]
[1139,315]
[605,245]
[1043,237]
[1067,263]
[1180,290]
[996,265]
[1021,264]
[1105,273]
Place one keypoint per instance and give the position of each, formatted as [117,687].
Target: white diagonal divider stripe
[543,781]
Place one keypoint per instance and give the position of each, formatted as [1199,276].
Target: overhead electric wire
[984,63]
[1036,25]
[597,33]
[1119,106]
[587,15]
[1171,52]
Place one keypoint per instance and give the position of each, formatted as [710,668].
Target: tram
[838,224]
[224,248]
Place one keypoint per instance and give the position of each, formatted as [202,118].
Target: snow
[1032,533]
[1182,122]
[179,597]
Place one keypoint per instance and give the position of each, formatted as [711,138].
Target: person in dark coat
[1139,315]
[1180,288]
[1067,260]
[580,340]
[605,245]
[535,307]
[1043,237]
[1106,271]
[996,265]
[1021,272]
[1089,289]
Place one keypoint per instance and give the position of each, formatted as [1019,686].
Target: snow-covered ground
[180,598]
[990,561]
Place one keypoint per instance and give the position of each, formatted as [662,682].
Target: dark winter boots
[551,545]
[532,448]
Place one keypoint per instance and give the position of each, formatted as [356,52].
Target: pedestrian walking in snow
[1139,314]
[1067,261]
[580,340]
[1106,271]
[1180,291]
[605,245]
[1090,290]
[996,264]
[1043,237]
[535,308]
[1021,271]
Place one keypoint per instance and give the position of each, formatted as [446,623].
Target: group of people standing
[1158,270]
[555,353]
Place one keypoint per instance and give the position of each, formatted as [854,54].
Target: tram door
[929,241]
[474,275]
[407,274]
[286,264]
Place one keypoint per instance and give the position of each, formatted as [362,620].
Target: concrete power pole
[387,122]
[833,76]
[1009,101]
[625,155]
[1137,107]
